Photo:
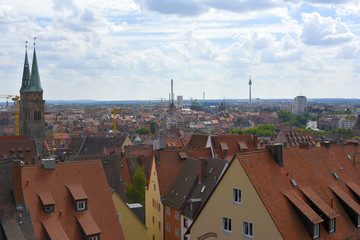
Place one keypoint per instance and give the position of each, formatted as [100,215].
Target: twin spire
[31,82]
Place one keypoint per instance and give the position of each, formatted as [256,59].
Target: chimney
[276,151]
[327,144]
[49,164]
[17,183]
[201,169]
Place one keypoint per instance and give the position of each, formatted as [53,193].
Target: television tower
[250,83]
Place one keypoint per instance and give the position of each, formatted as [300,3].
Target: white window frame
[167,227]
[237,196]
[186,223]
[176,215]
[358,221]
[316,230]
[94,238]
[248,229]
[167,211]
[79,206]
[226,224]
[332,225]
[49,208]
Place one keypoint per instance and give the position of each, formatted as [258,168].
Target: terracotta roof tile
[54,229]
[46,198]
[91,177]
[303,207]
[326,209]
[87,224]
[346,198]
[77,192]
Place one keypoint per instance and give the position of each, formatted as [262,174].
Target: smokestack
[17,183]
[172,91]
[201,169]
[250,83]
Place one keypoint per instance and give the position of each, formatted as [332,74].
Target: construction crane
[16,99]
[114,112]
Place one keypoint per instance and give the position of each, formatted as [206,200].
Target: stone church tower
[31,105]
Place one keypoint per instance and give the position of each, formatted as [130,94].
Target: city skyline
[131,50]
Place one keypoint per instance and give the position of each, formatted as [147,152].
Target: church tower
[31,105]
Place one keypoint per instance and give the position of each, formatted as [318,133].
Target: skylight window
[203,188]
[293,182]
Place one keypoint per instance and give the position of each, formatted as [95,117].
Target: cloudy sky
[131,49]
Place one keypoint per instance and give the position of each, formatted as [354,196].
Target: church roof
[26,73]
[33,84]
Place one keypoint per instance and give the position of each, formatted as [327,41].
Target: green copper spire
[35,85]
[26,74]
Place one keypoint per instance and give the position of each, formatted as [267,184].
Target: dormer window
[47,202]
[332,225]
[79,197]
[316,233]
[97,237]
[81,205]
[49,208]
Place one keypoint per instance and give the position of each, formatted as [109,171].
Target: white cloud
[320,30]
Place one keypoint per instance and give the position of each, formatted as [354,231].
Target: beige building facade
[234,211]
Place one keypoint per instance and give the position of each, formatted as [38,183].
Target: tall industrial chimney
[250,83]
[172,92]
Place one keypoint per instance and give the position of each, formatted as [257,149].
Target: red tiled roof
[46,198]
[346,198]
[311,168]
[328,211]
[87,224]
[77,192]
[91,177]
[303,207]
[54,229]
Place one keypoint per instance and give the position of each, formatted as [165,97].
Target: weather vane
[34,41]
[26,44]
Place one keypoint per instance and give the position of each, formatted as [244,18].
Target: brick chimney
[17,183]
[201,169]
[276,151]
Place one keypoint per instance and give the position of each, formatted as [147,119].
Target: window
[153,220]
[186,223]
[176,215]
[186,238]
[49,208]
[358,221]
[177,232]
[167,211]
[226,224]
[81,205]
[154,187]
[248,230]
[94,238]
[316,231]
[159,226]
[168,227]
[332,225]
[236,196]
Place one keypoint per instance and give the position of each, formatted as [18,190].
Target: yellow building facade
[234,211]
[132,227]
[153,206]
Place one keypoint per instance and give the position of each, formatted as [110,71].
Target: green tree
[135,193]
[265,130]
[142,130]
[153,127]
[284,116]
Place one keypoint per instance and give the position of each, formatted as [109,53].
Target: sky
[131,49]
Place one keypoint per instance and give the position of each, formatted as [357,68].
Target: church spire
[26,72]
[35,85]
